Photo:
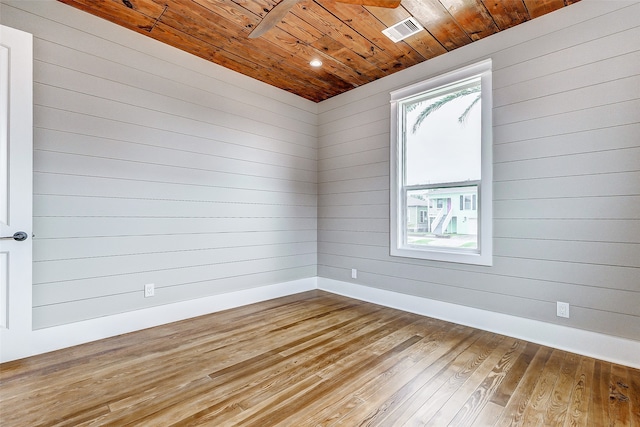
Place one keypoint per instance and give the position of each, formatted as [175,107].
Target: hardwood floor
[316,359]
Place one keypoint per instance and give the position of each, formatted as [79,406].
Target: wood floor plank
[619,401]
[383,376]
[316,359]
[347,377]
[634,396]
[599,407]
[389,378]
[324,389]
[412,396]
[557,406]
[398,403]
[450,380]
[492,376]
[578,411]
[514,376]
[488,416]
[535,412]
[512,414]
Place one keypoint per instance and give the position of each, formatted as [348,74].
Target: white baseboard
[592,344]
[587,343]
[58,337]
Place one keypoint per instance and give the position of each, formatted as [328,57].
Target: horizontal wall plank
[598,253]
[74,206]
[357,131]
[356,147]
[351,224]
[593,275]
[591,230]
[359,105]
[63,142]
[356,238]
[595,140]
[354,185]
[604,207]
[614,68]
[619,90]
[372,115]
[380,211]
[133,283]
[126,96]
[601,253]
[374,197]
[380,169]
[54,97]
[211,96]
[612,161]
[66,227]
[367,156]
[113,187]
[93,247]
[75,164]
[570,48]
[219,141]
[611,184]
[83,268]
[618,114]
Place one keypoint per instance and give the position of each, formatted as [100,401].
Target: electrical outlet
[149,290]
[354,273]
[562,309]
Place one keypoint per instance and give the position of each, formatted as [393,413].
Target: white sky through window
[442,149]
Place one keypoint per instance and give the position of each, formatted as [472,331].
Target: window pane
[445,145]
[446,225]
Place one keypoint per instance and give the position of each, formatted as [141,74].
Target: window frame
[483,255]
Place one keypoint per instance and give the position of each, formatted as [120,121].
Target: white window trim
[484,255]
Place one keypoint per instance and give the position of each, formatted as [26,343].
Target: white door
[16,186]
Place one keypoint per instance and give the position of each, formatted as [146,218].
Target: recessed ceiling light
[315,63]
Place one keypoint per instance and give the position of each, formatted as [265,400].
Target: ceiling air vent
[403,29]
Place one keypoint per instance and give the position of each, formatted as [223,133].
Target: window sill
[444,255]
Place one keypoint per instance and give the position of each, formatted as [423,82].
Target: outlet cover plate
[562,309]
[149,290]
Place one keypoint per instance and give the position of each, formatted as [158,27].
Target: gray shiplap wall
[566,175]
[153,166]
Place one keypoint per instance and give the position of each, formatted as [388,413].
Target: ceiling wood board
[347,38]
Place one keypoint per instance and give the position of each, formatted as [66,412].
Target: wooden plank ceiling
[347,38]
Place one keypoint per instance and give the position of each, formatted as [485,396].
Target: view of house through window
[441,168]
[450,225]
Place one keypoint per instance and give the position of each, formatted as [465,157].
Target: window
[441,153]
[467,202]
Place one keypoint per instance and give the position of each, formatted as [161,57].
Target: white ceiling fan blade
[274,16]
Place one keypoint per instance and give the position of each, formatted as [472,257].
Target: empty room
[320,213]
